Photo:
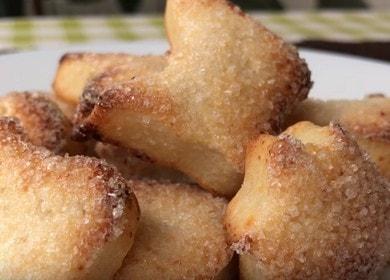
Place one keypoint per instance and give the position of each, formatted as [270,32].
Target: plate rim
[106,44]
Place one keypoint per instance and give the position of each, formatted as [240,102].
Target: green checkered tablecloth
[293,26]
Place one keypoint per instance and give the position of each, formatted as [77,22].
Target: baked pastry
[42,120]
[227,79]
[75,70]
[61,217]
[180,235]
[137,166]
[368,120]
[312,206]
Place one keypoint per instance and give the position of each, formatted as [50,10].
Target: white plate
[334,75]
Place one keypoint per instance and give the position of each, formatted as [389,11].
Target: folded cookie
[312,206]
[226,80]
[75,70]
[61,217]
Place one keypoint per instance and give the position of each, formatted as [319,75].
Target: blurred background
[95,7]
[359,27]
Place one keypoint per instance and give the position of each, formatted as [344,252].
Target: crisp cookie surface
[368,120]
[180,235]
[312,206]
[61,217]
[42,120]
[75,70]
[226,79]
